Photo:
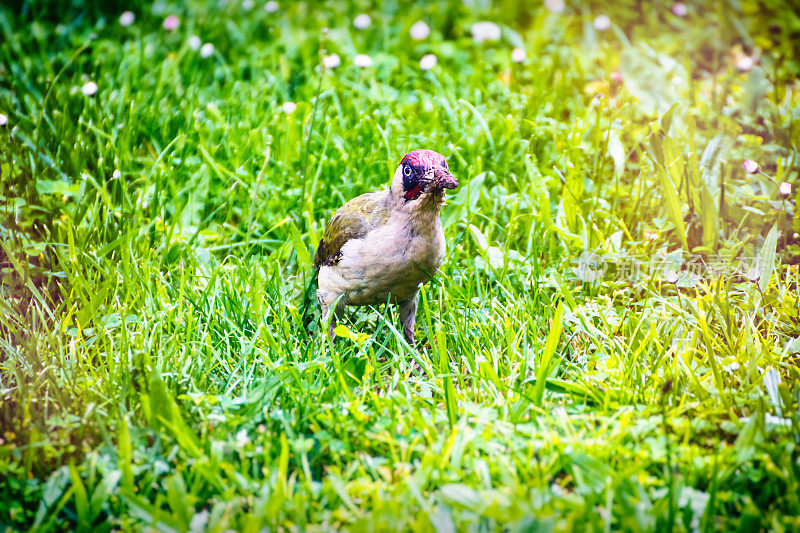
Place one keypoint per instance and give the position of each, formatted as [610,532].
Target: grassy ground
[612,342]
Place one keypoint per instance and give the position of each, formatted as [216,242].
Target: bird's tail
[310,307]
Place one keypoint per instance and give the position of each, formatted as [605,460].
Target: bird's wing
[352,221]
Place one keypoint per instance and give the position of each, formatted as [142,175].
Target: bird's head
[422,178]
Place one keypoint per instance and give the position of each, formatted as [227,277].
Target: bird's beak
[442,179]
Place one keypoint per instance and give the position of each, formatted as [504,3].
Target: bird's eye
[407,171]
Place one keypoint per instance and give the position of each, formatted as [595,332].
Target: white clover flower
[195,43]
[3,119]
[745,63]
[485,31]
[206,50]
[271,6]
[89,88]
[785,188]
[679,9]
[427,62]
[751,167]
[363,61]
[556,6]
[117,174]
[518,55]
[362,21]
[241,437]
[331,61]
[126,18]
[602,23]
[247,5]
[171,23]
[419,31]
[289,107]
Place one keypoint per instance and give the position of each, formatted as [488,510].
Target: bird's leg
[326,304]
[408,315]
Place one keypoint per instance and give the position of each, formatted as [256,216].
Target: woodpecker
[381,246]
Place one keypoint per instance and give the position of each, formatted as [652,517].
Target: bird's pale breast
[394,258]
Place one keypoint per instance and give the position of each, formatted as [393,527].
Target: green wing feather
[352,221]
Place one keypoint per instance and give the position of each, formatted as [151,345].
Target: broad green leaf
[465,201]
[766,258]
[463,495]
[616,152]
[81,497]
[669,192]
[444,368]
[303,257]
[543,368]
[125,453]
[666,119]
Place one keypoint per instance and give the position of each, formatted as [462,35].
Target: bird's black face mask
[411,182]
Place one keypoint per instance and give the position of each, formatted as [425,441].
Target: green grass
[156,240]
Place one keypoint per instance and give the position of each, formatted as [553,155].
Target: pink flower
[616,76]
[751,167]
[556,6]
[518,55]
[427,62]
[485,31]
[363,61]
[89,88]
[171,23]
[126,18]
[331,61]
[362,21]
[745,63]
[3,120]
[785,188]
[679,9]
[207,50]
[419,31]
[602,23]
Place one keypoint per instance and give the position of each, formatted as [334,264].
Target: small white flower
[289,107]
[206,50]
[420,31]
[602,23]
[331,61]
[679,9]
[427,62]
[247,5]
[745,63]
[89,88]
[271,6]
[785,188]
[363,61]
[117,174]
[751,167]
[3,120]
[518,55]
[171,23]
[556,6]
[195,43]
[485,31]
[241,437]
[362,21]
[127,18]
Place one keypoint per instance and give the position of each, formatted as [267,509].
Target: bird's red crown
[423,158]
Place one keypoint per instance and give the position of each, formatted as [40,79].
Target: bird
[383,245]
